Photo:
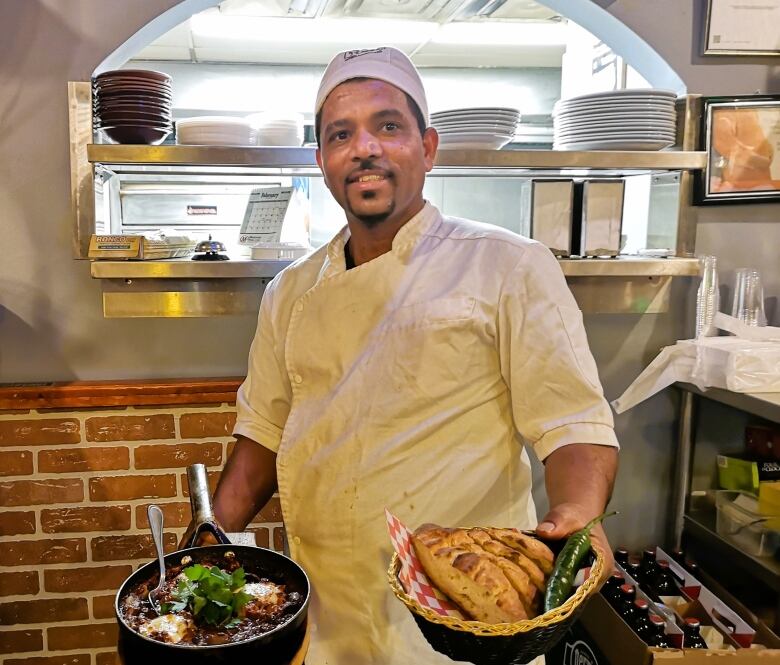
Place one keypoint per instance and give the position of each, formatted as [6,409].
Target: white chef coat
[410,382]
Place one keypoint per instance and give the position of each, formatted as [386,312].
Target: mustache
[366,165]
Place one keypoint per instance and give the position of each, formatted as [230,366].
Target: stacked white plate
[277,128]
[617,120]
[214,130]
[482,128]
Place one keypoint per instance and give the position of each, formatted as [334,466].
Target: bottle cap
[693,622]
[663,564]
[641,603]
[627,589]
[656,620]
[648,553]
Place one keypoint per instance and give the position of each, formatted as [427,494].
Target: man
[398,367]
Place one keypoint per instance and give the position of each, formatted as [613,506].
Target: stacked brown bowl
[133,105]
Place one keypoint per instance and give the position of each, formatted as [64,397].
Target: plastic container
[279,251]
[740,522]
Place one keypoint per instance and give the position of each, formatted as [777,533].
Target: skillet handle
[196,529]
[203,518]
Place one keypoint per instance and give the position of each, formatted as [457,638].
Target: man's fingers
[559,523]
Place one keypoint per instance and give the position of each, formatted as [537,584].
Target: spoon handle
[155,515]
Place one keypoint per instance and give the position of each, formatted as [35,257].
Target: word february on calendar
[264,215]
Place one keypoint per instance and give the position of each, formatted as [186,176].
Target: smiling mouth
[370,178]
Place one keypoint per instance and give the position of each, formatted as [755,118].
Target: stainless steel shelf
[630,266]
[172,158]
[764,405]
[700,525]
[188,269]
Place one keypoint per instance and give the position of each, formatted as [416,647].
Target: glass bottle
[621,557]
[647,570]
[633,569]
[611,589]
[692,567]
[658,636]
[692,638]
[626,603]
[641,624]
[664,581]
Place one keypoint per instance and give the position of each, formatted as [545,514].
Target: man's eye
[391,126]
[339,136]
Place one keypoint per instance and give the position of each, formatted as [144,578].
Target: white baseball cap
[384,63]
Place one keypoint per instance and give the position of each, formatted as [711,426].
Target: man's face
[371,153]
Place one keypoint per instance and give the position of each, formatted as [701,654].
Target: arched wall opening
[620,38]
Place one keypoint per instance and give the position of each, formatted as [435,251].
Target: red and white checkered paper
[412,578]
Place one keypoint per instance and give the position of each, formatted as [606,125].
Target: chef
[410,363]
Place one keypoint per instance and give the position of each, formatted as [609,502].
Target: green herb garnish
[212,595]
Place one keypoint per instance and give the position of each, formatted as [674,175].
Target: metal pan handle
[203,518]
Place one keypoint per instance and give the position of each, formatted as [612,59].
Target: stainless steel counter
[188,269]
[185,288]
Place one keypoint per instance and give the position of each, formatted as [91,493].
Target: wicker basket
[499,643]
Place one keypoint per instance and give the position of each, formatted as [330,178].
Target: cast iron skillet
[272,648]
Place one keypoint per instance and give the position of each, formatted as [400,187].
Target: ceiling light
[322,30]
[501,33]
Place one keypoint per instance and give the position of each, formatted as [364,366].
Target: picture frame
[742,27]
[741,136]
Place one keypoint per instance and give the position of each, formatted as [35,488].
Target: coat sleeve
[263,399]
[555,390]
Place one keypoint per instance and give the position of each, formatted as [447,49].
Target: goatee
[374,219]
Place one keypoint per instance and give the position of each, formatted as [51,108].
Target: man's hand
[579,479]
[567,518]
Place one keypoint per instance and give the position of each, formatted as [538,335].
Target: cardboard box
[611,639]
[715,610]
[764,635]
[576,648]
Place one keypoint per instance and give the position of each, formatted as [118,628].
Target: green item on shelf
[735,473]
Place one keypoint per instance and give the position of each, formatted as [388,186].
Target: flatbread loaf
[534,549]
[516,576]
[478,586]
[488,578]
[535,574]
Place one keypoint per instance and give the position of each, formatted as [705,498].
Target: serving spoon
[155,515]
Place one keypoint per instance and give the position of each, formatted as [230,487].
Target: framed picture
[742,27]
[741,136]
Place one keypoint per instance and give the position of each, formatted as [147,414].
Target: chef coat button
[298,378]
[297,540]
[299,307]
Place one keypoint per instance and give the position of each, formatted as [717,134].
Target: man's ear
[430,146]
[318,157]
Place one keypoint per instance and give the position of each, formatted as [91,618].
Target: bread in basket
[498,639]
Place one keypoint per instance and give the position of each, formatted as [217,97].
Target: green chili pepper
[567,564]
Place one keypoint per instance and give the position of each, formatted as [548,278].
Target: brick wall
[74,487]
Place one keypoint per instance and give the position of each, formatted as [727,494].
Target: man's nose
[365,146]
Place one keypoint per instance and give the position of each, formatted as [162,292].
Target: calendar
[264,215]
